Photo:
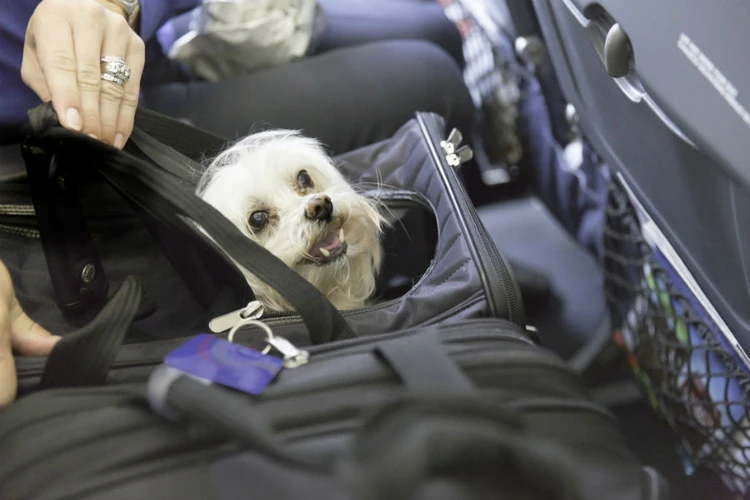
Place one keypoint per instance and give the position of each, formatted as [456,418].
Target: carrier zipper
[19,231]
[484,252]
[16,210]
[484,330]
[286,318]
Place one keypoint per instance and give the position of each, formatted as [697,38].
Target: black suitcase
[660,92]
[467,410]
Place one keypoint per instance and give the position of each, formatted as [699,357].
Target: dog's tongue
[330,241]
[329,246]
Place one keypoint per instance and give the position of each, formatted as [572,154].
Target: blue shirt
[15,97]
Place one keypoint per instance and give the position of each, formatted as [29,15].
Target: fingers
[7,365]
[28,337]
[32,75]
[135,58]
[52,40]
[65,42]
[88,28]
[116,43]
[19,332]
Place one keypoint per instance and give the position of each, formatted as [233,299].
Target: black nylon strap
[422,363]
[188,140]
[68,246]
[85,356]
[164,156]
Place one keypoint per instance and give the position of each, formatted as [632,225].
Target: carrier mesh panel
[688,375]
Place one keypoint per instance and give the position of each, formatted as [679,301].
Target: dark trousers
[377,63]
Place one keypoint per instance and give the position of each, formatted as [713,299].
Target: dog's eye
[258,220]
[304,181]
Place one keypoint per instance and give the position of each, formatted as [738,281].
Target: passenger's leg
[353,22]
[347,98]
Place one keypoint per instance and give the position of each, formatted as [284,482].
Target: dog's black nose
[319,207]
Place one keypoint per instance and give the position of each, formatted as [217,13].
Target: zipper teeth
[325,352]
[506,280]
[275,318]
[481,332]
[507,358]
[17,210]
[18,231]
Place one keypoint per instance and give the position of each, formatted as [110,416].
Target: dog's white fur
[260,173]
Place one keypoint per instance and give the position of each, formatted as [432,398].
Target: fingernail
[119,141]
[93,136]
[73,117]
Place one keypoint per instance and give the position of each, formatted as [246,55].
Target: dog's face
[283,191]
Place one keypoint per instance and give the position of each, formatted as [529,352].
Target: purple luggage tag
[239,367]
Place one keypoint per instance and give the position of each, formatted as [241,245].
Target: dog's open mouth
[330,247]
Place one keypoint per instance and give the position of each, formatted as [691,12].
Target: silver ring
[113,79]
[118,69]
[115,70]
[114,59]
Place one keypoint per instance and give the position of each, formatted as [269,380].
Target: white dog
[282,190]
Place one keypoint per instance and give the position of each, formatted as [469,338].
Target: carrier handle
[83,358]
[160,193]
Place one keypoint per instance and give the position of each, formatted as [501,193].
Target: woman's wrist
[114,7]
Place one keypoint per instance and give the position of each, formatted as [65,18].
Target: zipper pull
[454,140]
[461,156]
[220,324]
[455,155]
[293,356]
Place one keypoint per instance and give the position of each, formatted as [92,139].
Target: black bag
[470,410]
[441,264]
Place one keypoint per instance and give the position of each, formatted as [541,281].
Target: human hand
[65,42]
[19,332]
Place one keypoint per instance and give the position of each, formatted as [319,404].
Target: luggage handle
[159,192]
[417,438]
[441,427]
[83,358]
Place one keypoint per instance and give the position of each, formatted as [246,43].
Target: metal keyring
[254,322]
